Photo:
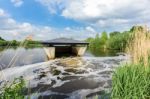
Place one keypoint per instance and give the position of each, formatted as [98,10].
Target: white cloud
[3,13]
[53,5]
[68,28]
[90,29]
[17,3]
[109,14]
[103,14]
[102,9]
[11,29]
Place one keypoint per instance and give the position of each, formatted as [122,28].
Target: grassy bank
[15,90]
[132,80]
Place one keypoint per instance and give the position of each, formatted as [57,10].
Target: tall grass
[132,80]
[15,90]
[139,46]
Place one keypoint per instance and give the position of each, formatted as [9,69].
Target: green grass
[131,82]
[14,90]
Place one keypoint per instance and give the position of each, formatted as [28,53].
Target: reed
[139,46]
[132,80]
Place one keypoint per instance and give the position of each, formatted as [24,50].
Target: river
[62,78]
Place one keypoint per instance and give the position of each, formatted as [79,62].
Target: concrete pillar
[50,52]
[79,50]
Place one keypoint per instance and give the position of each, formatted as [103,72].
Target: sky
[78,19]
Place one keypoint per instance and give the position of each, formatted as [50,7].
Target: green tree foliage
[118,41]
[33,43]
[3,43]
[1,39]
[115,41]
[18,43]
[95,43]
[99,42]
[114,33]
[14,43]
[104,37]
[103,40]
[89,39]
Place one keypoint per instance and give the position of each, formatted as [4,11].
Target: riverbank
[67,77]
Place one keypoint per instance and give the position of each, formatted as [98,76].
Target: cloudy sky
[79,19]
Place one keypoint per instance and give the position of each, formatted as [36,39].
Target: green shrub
[3,43]
[2,39]
[118,41]
[14,90]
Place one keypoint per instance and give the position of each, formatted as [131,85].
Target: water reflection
[19,56]
[104,53]
[14,56]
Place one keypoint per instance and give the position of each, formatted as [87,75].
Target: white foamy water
[73,78]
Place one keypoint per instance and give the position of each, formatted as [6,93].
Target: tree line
[29,43]
[112,41]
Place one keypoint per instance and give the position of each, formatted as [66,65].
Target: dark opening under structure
[64,46]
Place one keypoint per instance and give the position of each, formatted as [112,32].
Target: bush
[98,43]
[14,91]
[118,41]
[2,39]
[3,43]
[115,41]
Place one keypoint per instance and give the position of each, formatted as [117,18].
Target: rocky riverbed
[71,78]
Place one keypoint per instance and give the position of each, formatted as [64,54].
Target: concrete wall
[79,50]
[50,52]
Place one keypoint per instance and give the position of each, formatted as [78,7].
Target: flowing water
[62,78]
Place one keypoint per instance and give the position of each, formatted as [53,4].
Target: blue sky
[79,19]
[33,12]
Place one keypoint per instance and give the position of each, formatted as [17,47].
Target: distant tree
[2,39]
[97,42]
[119,41]
[104,38]
[115,41]
[3,43]
[89,39]
[14,43]
[114,33]
[92,44]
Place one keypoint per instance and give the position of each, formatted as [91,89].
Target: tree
[114,33]
[14,43]
[119,41]
[89,39]
[97,42]
[2,39]
[104,38]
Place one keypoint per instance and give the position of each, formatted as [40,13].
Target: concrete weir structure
[64,46]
